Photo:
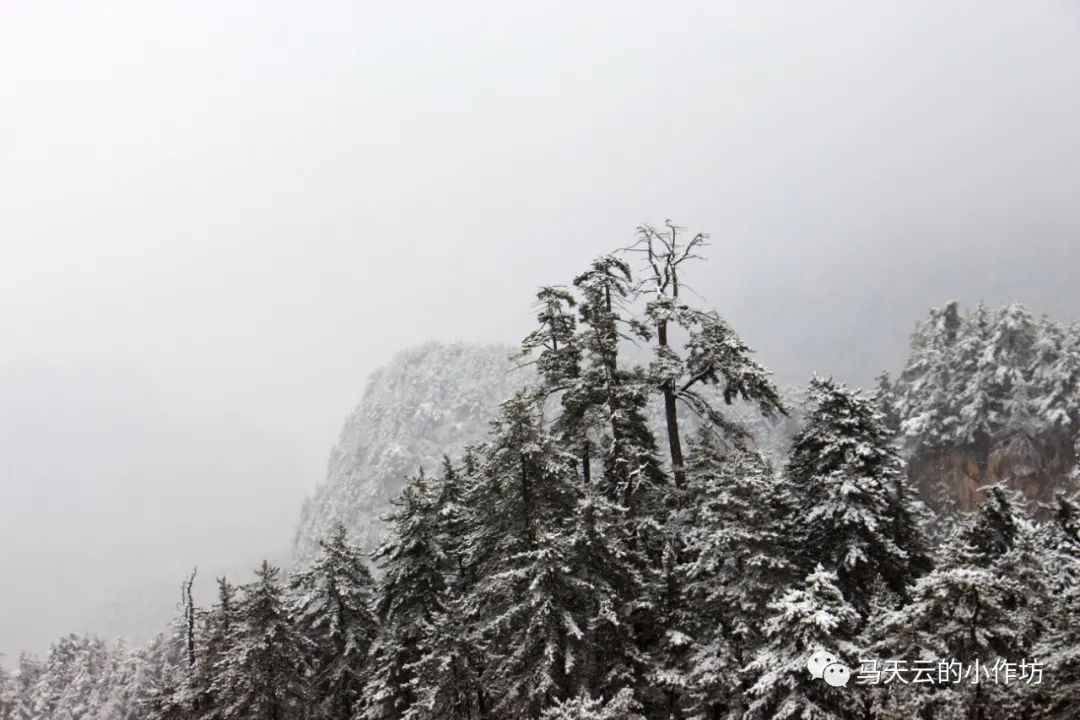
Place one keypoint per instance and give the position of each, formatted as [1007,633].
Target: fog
[217,218]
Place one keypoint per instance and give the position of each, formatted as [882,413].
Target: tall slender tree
[858,522]
[409,599]
[521,609]
[332,607]
[741,554]
[448,673]
[714,355]
[264,674]
[214,647]
[607,390]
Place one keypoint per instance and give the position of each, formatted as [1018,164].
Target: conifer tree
[1055,376]
[927,401]
[521,610]
[608,391]
[612,579]
[525,485]
[263,676]
[214,646]
[70,677]
[623,706]
[165,683]
[1059,648]
[27,680]
[810,618]
[409,598]
[447,684]
[333,608]
[714,355]
[973,378]
[885,395]
[448,672]
[110,697]
[859,521]
[555,341]
[534,642]
[983,602]
[1061,537]
[740,556]
[7,694]
[156,682]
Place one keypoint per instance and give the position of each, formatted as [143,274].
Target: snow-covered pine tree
[1009,353]
[156,677]
[912,521]
[26,682]
[973,377]
[447,684]
[984,601]
[70,678]
[534,640]
[927,401]
[1010,347]
[810,618]
[174,682]
[126,692]
[113,676]
[885,395]
[859,521]
[159,680]
[332,606]
[1060,652]
[665,254]
[1059,648]
[447,674]
[612,580]
[214,638]
[609,393]
[264,675]
[522,610]
[410,595]
[1055,383]
[740,555]
[623,706]
[1062,537]
[7,694]
[555,341]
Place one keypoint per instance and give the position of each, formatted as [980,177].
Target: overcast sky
[217,218]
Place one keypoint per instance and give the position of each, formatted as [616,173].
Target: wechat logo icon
[824,665]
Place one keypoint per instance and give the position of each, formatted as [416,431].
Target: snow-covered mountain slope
[426,402]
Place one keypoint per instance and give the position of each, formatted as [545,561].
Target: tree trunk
[671,416]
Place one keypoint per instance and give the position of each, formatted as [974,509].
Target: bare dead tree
[189,615]
[665,254]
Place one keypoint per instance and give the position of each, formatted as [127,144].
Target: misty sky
[217,218]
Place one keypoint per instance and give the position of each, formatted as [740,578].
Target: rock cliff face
[1036,468]
[427,402]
